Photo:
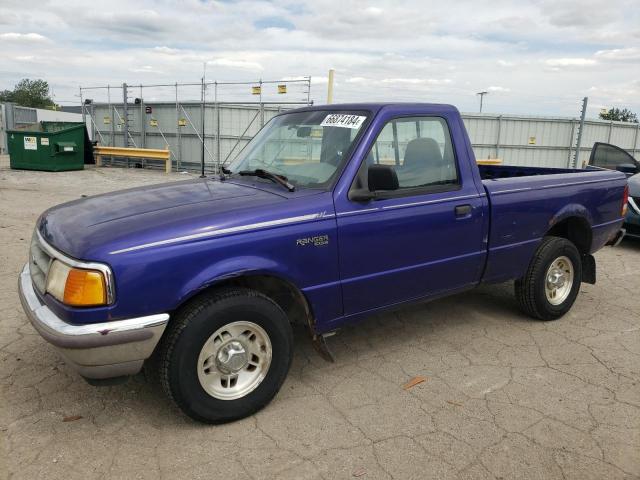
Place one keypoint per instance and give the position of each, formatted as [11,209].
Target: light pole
[482,94]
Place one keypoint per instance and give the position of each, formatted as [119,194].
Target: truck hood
[84,228]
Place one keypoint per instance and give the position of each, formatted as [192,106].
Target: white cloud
[166,50]
[236,63]
[374,10]
[439,81]
[498,89]
[411,81]
[630,54]
[23,37]
[545,53]
[570,62]
[586,13]
[145,69]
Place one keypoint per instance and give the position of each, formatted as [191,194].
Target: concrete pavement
[504,397]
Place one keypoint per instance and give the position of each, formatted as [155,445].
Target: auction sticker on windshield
[342,120]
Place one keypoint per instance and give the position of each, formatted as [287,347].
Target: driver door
[423,239]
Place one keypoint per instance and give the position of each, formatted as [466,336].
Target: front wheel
[552,282]
[226,355]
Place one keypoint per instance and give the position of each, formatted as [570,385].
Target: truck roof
[377,106]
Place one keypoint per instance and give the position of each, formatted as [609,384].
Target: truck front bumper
[96,351]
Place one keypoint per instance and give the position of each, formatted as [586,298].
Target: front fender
[231,268]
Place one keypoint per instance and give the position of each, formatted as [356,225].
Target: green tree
[29,93]
[616,114]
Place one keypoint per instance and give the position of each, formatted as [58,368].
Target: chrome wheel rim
[234,360]
[559,280]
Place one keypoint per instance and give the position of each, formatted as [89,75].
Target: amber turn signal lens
[85,288]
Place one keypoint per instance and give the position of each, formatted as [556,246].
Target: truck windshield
[306,148]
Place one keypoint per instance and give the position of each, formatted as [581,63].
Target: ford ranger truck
[328,215]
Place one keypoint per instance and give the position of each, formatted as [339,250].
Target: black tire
[530,289]
[191,328]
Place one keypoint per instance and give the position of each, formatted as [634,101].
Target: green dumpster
[52,146]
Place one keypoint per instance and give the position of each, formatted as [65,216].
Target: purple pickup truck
[329,214]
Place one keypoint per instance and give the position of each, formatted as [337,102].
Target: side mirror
[628,168]
[381,179]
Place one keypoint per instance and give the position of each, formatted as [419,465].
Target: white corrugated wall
[517,140]
[544,141]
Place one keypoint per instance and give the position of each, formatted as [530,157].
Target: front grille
[634,204]
[39,263]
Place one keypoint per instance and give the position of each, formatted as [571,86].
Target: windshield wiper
[261,173]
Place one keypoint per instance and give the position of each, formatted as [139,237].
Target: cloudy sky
[532,56]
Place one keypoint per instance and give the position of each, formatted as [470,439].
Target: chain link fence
[223,118]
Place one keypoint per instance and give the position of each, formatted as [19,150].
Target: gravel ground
[504,397]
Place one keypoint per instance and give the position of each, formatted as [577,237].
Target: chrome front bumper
[99,350]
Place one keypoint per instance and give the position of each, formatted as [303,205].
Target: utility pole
[84,119]
[125,114]
[482,94]
[576,158]
[202,175]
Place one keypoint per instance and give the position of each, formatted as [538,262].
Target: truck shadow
[451,319]
[629,244]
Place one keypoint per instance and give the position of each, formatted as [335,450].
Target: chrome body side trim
[230,230]
[555,185]
[407,205]
[430,202]
[512,190]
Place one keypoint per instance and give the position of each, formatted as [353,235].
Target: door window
[609,156]
[419,149]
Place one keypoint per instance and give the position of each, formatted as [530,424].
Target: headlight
[76,287]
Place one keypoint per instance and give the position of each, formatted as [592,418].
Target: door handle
[463,210]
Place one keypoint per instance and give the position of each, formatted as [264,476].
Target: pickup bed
[329,214]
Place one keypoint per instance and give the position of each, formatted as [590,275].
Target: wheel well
[575,229]
[284,293]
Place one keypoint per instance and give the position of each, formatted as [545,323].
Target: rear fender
[576,211]
[571,210]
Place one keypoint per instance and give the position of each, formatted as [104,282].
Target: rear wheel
[552,281]
[226,355]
